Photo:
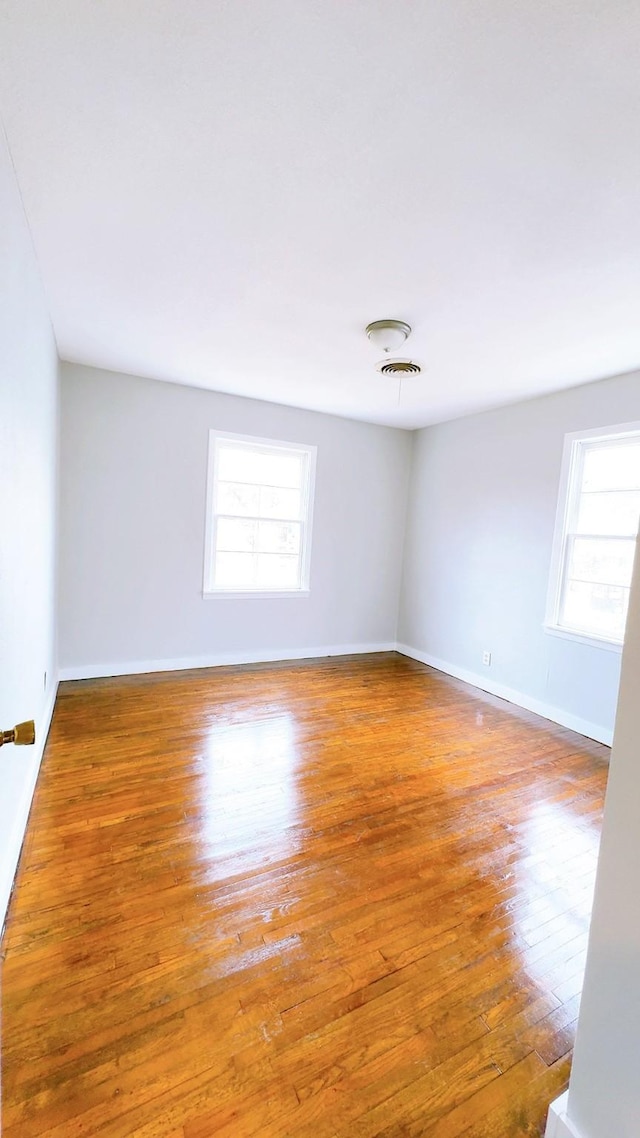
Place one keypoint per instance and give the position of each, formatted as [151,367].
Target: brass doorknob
[23,734]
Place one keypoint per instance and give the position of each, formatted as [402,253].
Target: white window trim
[208,592]
[570,456]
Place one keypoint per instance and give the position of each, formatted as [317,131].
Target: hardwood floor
[332,898]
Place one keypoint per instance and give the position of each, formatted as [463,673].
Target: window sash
[569,578]
[255,554]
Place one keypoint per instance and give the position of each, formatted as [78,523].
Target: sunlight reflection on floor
[250,803]
[556,875]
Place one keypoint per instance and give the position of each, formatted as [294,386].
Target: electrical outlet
[486,658]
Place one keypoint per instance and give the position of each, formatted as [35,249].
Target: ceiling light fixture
[388,335]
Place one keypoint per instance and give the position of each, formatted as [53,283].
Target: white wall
[604,1093]
[28,428]
[134,462]
[482,507]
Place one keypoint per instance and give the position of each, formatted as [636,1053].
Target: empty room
[319,618]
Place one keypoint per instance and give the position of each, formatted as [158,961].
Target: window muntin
[258,516]
[596,536]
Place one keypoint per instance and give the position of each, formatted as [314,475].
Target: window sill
[584,638]
[253,595]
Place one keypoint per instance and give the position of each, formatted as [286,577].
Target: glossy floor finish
[332,898]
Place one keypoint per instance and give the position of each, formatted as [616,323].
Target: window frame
[209,591]
[568,502]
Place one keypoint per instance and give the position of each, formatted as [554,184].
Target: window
[259,506]
[595,535]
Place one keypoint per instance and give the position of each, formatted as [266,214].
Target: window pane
[282,470]
[278,537]
[236,498]
[607,560]
[235,570]
[279,503]
[598,609]
[613,513]
[612,467]
[277,572]
[238,464]
[236,536]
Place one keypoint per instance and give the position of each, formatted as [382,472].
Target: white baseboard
[558,1123]
[14,846]
[218,660]
[547,711]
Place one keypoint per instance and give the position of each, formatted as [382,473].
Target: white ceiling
[224,192]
